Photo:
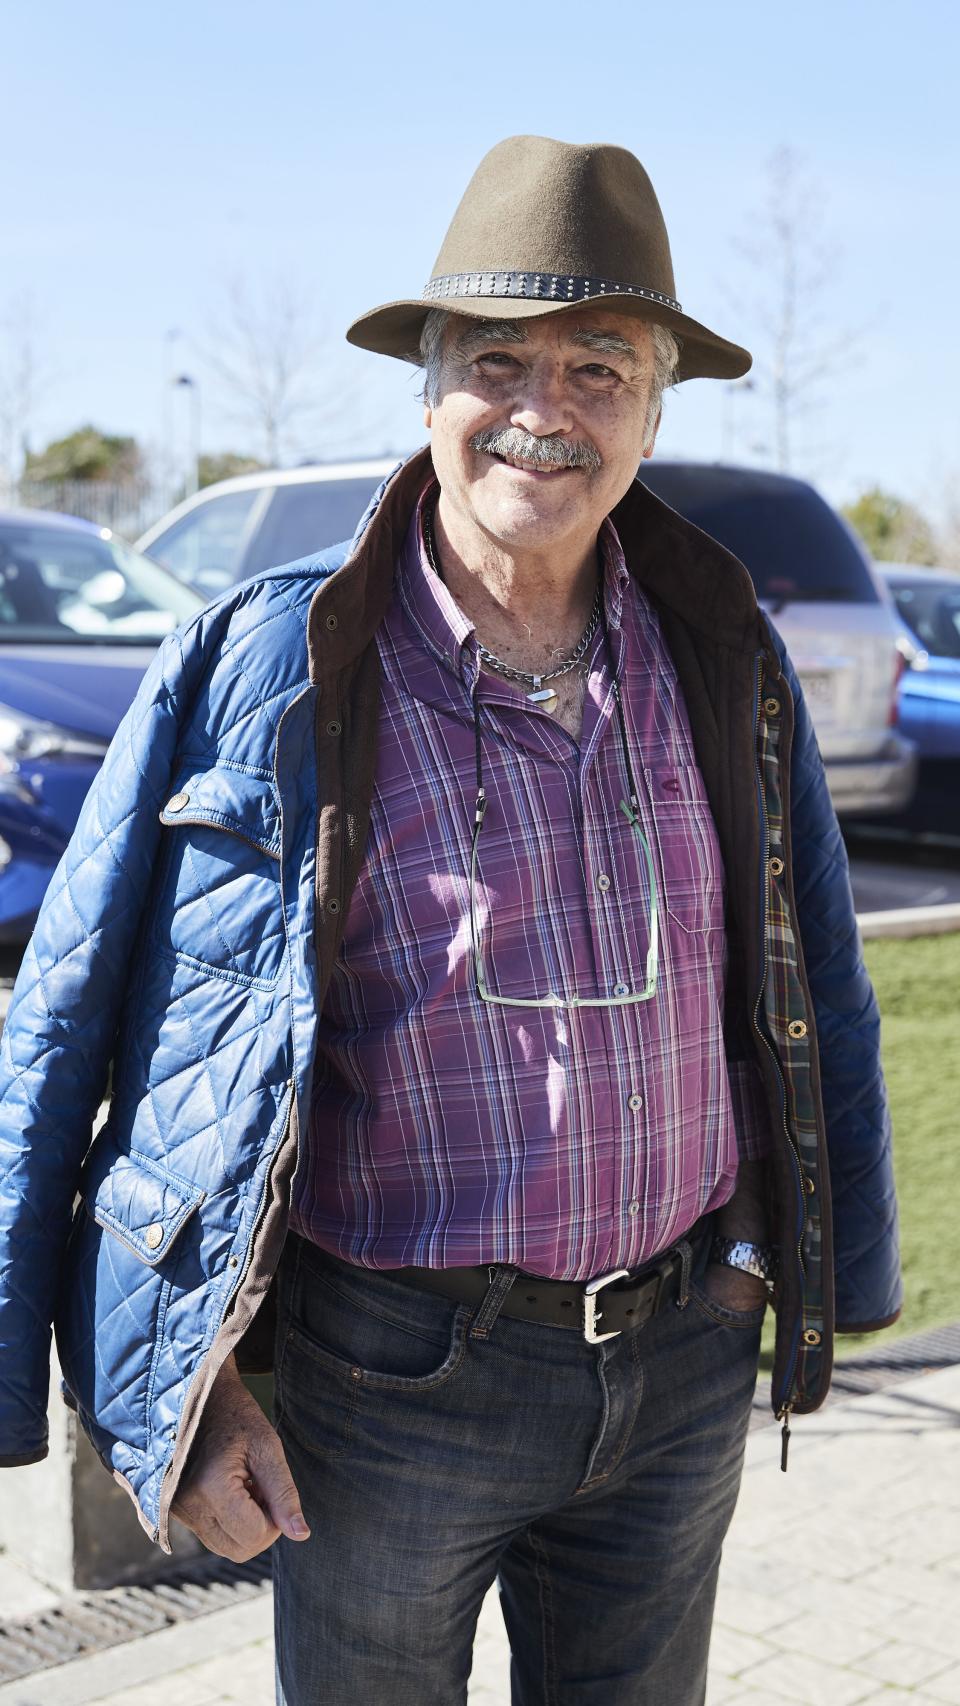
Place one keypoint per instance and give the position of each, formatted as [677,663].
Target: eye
[495,358]
[597,370]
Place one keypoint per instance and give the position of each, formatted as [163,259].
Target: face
[580,383]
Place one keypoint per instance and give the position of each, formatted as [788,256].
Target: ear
[651,441]
[427,416]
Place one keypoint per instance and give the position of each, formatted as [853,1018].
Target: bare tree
[793,264]
[20,384]
[950,531]
[266,357]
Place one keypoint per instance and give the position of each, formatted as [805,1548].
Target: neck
[529,606]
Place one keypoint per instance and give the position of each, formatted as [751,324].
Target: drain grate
[876,1370]
[77,1627]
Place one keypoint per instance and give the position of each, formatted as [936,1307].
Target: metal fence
[126,506]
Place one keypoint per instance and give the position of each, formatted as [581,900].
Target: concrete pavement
[840,1583]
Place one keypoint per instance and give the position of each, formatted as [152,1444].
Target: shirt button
[635,1101]
[603,882]
[633,1207]
[153,1237]
[177,802]
[796,1029]
[621,989]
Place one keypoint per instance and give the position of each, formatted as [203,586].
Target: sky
[155,154]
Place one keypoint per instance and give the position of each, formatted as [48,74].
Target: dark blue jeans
[597,1481]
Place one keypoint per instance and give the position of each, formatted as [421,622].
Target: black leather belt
[599,1308]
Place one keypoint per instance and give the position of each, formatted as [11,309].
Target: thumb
[277,1491]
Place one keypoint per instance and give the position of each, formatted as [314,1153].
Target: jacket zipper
[783,1411]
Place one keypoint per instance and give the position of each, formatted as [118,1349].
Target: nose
[541,405]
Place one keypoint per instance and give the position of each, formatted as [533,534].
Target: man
[470,932]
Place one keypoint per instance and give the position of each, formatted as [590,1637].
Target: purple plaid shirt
[445,1132]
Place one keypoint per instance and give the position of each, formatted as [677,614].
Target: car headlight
[23,738]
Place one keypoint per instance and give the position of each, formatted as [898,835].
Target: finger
[231,1523]
[276,1491]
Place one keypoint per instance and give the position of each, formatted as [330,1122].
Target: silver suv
[815,580]
[809,570]
[242,526]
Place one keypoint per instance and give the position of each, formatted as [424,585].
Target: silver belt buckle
[590,1291]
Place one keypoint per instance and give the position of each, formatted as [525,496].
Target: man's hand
[238,1494]
[733,1289]
[744,1216]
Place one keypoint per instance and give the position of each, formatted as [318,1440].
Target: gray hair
[666,356]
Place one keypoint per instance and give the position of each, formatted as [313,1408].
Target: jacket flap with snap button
[227,799]
[139,1201]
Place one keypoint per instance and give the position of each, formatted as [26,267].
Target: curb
[907,921]
[149,1658]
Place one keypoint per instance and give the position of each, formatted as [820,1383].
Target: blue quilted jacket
[184,947]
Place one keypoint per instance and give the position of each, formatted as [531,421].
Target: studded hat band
[546,286]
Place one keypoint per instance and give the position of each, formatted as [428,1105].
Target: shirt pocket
[218,902]
[687,851]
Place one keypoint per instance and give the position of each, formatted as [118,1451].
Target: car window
[204,547]
[931,612]
[61,585]
[308,517]
[794,546]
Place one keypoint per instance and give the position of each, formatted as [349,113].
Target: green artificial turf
[918,987]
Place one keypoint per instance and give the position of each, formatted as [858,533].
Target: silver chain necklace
[545,697]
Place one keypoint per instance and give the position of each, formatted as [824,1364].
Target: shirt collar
[429,603]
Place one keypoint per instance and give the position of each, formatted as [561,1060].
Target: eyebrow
[489,331]
[605,343]
[482,332]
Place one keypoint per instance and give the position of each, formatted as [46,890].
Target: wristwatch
[759,1259]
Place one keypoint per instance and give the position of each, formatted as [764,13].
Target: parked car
[239,527]
[808,567]
[816,581]
[81,615]
[928,603]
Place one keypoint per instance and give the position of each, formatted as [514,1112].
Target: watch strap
[749,1258]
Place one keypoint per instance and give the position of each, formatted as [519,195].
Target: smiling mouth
[533,467]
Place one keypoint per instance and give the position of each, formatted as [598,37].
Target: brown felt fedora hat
[544,227]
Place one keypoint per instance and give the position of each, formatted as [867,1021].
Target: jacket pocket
[218,902]
[125,1252]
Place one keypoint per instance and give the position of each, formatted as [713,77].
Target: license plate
[817,689]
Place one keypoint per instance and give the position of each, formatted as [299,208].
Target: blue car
[928,602]
[81,615]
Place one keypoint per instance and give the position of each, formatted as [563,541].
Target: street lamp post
[192,385]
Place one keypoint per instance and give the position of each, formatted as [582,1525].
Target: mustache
[549,452]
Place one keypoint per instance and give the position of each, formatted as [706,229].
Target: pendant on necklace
[545,697]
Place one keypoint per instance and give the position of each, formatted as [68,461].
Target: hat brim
[395,328]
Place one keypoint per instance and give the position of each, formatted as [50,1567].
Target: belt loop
[685,1252]
[501,1279]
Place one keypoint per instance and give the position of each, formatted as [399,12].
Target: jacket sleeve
[59,1036]
[856,1112]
